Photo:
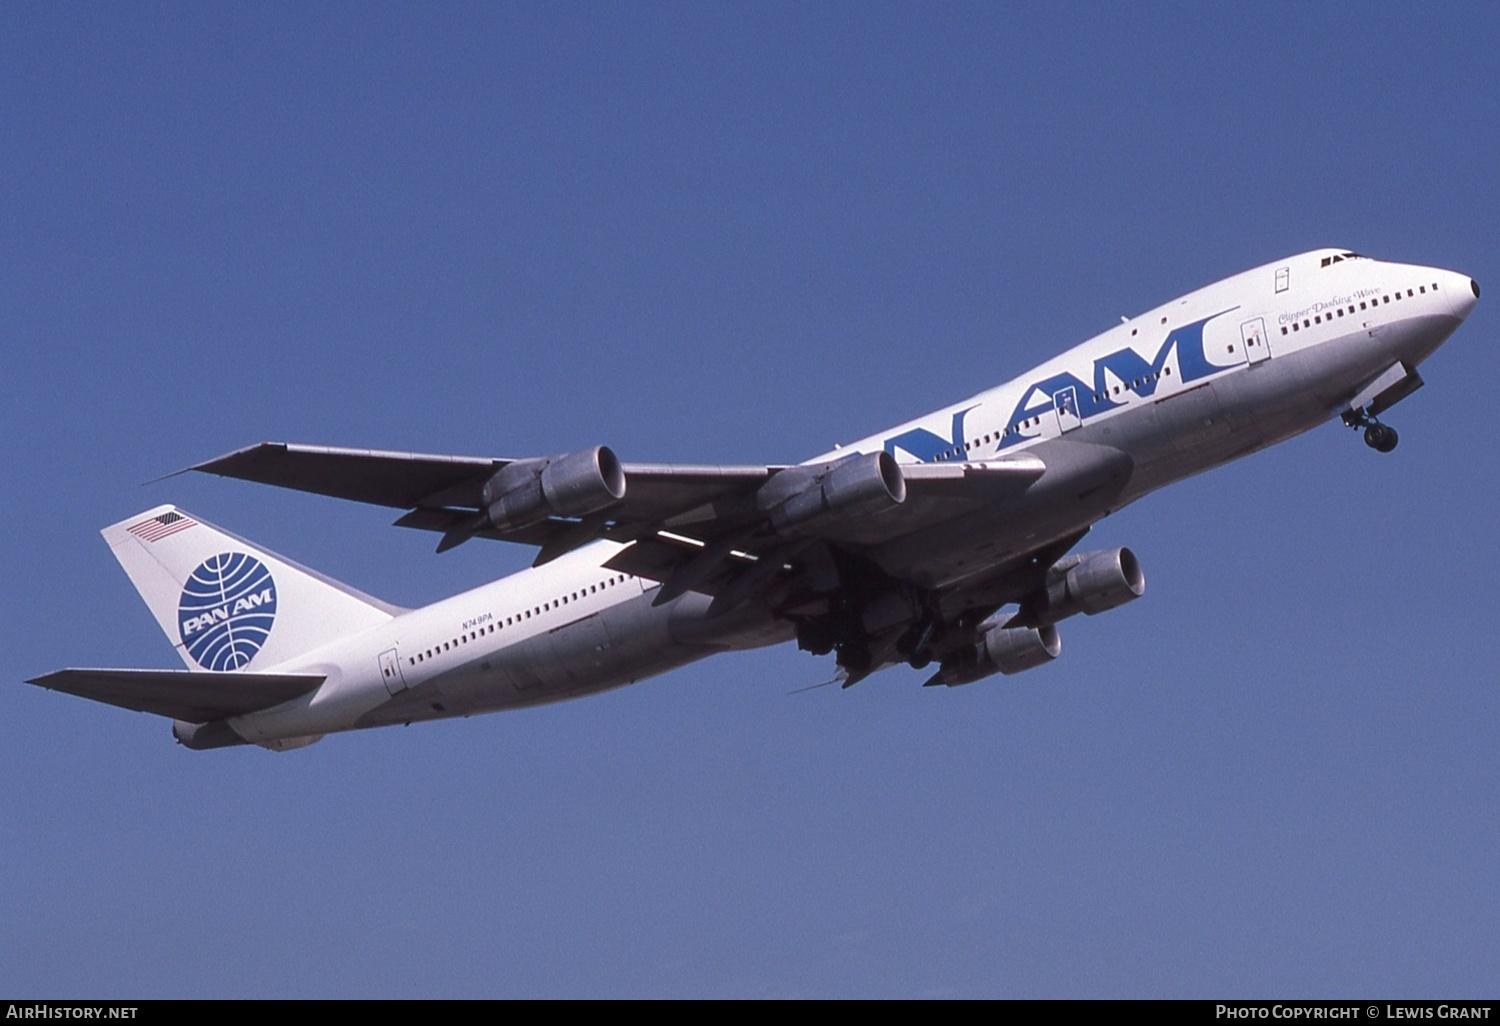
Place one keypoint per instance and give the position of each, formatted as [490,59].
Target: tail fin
[228,605]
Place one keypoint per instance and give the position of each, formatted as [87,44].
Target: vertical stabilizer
[226,604]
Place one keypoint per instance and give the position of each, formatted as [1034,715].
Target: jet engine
[574,485]
[855,487]
[1088,583]
[1004,650]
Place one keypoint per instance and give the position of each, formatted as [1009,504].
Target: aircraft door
[1065,405]
[390,671]
[1257,343]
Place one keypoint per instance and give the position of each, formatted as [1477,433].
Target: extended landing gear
[1378,436]
[1381,437]
[855,656]
[915,646]
[828,635]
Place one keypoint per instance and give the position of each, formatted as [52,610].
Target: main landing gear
[1378,436]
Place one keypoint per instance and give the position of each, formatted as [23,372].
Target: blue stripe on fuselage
[926,445]
[1134,370]
[1129,366]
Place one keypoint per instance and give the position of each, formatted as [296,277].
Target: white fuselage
[1220,372]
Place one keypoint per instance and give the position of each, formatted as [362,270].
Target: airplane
[945,542]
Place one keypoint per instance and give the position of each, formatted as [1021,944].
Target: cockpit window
[1339,258]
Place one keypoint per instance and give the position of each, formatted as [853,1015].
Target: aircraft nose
[1463,293]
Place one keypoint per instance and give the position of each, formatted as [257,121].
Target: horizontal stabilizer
[190,695]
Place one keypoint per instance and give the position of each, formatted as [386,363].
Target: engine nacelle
[574,485]
[854,487]
[1088,583]
[1004,650]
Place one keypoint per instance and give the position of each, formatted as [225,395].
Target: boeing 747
[945,543]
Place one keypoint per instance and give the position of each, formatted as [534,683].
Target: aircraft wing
[400,479]
[426,482]
[190,695]
[704,504]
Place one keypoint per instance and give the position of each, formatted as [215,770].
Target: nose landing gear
[1381,437]
[1378,436]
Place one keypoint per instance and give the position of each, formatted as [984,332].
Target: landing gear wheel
[816,636]
[915,646]
[855,656]
[1381,437]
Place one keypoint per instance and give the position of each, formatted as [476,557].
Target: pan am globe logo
[226,610]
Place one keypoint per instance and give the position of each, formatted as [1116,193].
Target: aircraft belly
[1082,483]
[617,646]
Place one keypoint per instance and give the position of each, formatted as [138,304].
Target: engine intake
[854,487]
[1088,583]
[573,485]
[1004,650]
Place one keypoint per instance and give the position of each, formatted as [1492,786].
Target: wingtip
[209,466]
[164,477]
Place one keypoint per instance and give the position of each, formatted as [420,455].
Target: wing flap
[981,479]
[653,558]
[190,695]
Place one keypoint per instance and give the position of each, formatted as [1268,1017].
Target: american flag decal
[158,527]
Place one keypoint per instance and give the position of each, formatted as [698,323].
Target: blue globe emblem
[226,611]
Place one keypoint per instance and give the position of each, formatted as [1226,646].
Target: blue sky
[708,234]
